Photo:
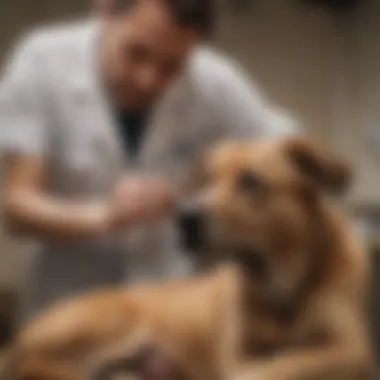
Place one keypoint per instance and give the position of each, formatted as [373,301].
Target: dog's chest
[265,334]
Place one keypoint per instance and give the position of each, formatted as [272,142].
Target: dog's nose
[191,226]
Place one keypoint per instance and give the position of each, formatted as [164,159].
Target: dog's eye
[249,181]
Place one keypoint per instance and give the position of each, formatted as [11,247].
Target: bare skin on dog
[285,302]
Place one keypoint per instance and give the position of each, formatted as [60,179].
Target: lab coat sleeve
[22,124]
[243,111]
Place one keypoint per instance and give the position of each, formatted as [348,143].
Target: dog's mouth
[192,230]
[197,239]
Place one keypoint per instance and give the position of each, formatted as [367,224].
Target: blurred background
[318,59]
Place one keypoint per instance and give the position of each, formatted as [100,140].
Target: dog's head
[261,204]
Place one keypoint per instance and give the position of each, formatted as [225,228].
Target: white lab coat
[51,104]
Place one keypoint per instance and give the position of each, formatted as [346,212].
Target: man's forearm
[53,219]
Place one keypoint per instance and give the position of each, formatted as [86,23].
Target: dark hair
[193,13]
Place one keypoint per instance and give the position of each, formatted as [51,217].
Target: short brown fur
[302,317]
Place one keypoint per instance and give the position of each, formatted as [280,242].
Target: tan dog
[287,301]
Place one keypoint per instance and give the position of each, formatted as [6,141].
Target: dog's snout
[191,224]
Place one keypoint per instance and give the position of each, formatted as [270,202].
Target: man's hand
[139,200]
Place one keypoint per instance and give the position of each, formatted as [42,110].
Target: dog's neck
[285,306]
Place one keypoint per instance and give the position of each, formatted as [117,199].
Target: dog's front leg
[344,352]
[323,363]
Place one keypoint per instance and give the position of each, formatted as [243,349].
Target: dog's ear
[320,165]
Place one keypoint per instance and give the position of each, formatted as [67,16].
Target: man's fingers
[141,200]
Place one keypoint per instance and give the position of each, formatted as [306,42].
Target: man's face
[142,51]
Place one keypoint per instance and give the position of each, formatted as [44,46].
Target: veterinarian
[98,122]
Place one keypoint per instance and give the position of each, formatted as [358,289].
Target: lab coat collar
[87,90]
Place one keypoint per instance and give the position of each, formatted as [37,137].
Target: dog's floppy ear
[320,165]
